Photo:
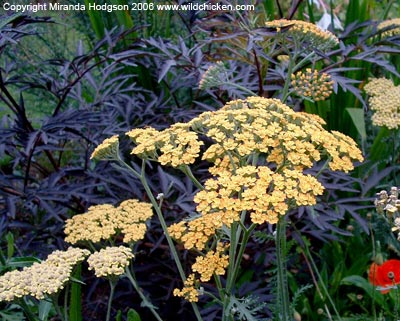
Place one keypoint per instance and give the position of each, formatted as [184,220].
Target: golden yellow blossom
[306,34]
[214,262]
[189,291]
[174,146]
[107,150]
[110,261]
[102,222]
[312,84]
[384,100]
[41,279]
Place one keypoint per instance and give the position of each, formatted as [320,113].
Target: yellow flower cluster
[288,140]
[174,146]
[214,262]
[189,291]
[107,150]
[214,76]
[267,126]
[41,279]
[384,100]
[110,261]
[394,29]
[312,84]
[264,194]
[306,34]
[102,222]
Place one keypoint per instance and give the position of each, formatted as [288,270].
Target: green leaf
[44,309]
[357,116]
[362,283]
[22,261]
[118,317]
[75,310]
[10,315]
[133,315]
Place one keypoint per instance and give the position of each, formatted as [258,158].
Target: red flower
[386,276]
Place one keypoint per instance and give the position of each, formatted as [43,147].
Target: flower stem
[112,288]
[283,304]
[146,302]
[153,200]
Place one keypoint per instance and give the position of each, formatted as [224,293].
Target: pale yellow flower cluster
[41,279]
[394,25]
[306,34]
[102,222]
[384,100]
[174,146]
[312,84]
[214,262]
[107,150]
[110,261]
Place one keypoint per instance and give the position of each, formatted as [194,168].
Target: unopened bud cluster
[388,204]
[312,84]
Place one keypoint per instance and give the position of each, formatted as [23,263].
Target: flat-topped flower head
[102,222]
[111,261]
[303,33]
[174,146]
[312,84]
[41,279]
[267,126]
[390,27]
[107,150]
[384,101]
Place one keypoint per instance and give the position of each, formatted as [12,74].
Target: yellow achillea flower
[264,194]
[189,291]
[110,261]
[214,262]
[267,126]
[384,100]
[290,141]
[312,84]
[306,34]
[41,279]
[107,150]
[393,31]
[102,222]
[174,146]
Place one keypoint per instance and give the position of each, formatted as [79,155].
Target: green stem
[283,302]
[188,172]
[314,266]
[153,200]
[146,302]
[112,289]
[241,88]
